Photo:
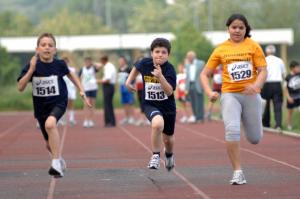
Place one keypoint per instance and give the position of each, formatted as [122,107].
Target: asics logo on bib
[239,66]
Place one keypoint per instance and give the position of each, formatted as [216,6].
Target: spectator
[127,98]
[108,85]
[87,75]
[193,86]
[182,95]
[292,91]
[272,89]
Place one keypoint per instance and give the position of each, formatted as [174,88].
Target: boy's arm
[73,77]
[22,83]
[287,94]
[168,89]
[132,75]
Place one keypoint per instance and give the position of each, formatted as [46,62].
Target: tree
[189,39]
[13,24]
[9,68]
[75,23]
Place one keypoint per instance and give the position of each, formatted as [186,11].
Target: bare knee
[50,124]
[157,123]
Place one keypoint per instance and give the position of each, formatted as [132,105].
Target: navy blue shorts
[92,93]
[57,112]
[293,105]
[169,118]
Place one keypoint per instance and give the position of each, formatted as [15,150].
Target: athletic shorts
[127,97]
[169,118]
[293,105]
[57,112]
[91,93]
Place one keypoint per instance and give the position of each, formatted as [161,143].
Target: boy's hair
[293,64]
[46,34]
[104,58]
[161,42]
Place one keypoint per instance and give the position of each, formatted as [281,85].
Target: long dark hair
[241,18]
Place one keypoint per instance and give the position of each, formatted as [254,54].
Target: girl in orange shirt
[244,73]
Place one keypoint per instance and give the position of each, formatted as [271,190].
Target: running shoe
[238,178]
[154,162]
[90,123]
[85,124]
[56,170]
[72,122]
[169,163]
[63,164]
[184,119]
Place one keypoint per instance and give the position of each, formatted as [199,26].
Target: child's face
[296,69]
[237,31]
[159,55]
[46,49]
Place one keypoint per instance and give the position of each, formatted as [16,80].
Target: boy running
[159,79]
[50,94]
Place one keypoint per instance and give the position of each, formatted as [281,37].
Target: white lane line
[16,126]
[53,180]
[243,149]
[178,174]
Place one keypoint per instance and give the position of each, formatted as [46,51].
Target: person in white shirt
[108,85]
[87,75]
[272,89]
[71,93]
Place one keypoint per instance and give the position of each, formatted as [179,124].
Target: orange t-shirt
[240,63]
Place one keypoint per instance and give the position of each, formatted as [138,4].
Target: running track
[111,163]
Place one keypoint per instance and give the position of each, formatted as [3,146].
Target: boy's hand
[157,71]
[33,62]
[290,100]
[86,101]
[130,87]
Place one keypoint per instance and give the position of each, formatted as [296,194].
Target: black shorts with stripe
[169,118]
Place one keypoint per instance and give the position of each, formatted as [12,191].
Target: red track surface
[111,163]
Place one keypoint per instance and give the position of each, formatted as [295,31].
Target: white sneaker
[63,164]
[91,123]
[131,121]
[85,123]
[183,119]
[289,127]
[72,122]
[124,121]
[191,119]
[238,178]
[56,169]
[169,163]
[154,162]
[139,122]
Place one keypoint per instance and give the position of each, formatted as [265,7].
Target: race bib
[239,71]
[45,86]
[153,91]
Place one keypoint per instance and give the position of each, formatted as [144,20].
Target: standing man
[194,67]
[108,85]
[272,89]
